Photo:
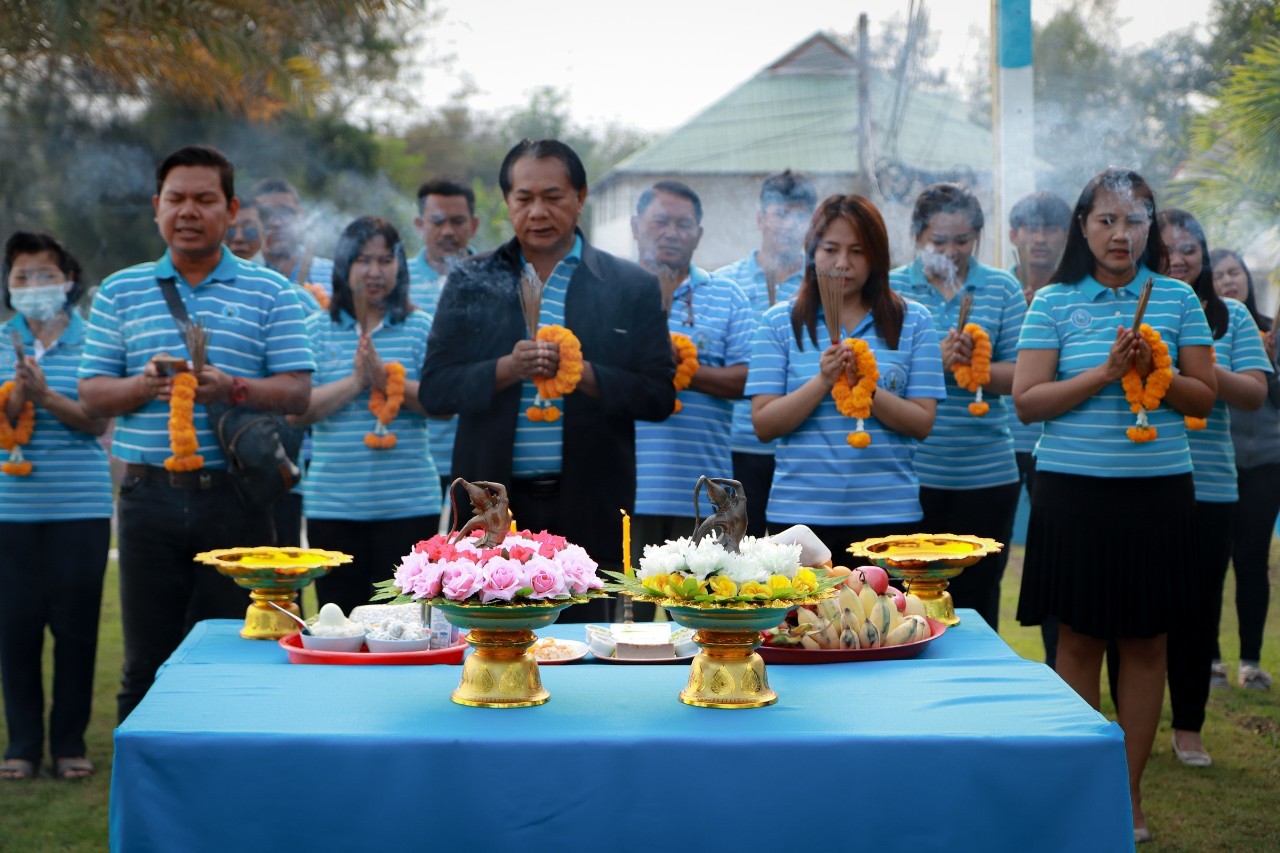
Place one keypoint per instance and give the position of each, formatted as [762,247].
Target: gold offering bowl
[926,562]
[501,673]
[728,673]
[272,575]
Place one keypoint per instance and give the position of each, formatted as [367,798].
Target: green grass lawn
[1230,806]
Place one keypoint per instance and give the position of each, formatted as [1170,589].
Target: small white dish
[393,646]
[333,644]
[578,650]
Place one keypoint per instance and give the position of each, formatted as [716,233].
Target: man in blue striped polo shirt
[769,275]
[258,355]
[570,475]
[716,315]
[281,208]
[446,222]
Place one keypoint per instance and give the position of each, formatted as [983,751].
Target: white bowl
[393,646]
[333,644]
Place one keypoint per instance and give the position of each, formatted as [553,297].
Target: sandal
[73,768]
[17,769]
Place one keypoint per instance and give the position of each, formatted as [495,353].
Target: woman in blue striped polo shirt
[968,472]
[845,493]
[1111,516]
[55,516]
[372,502]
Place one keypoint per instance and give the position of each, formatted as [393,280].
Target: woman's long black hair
[1214,308]
[353,238]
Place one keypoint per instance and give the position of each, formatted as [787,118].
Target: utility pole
[1013,113]
[865,182]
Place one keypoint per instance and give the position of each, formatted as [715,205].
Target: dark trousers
[376,548]
[1049,626]
[536,506]
[755,472]
[987,513]
[287,512]
[51,574]
[1252,525]
[838,537]
[163,593]
[1193,628]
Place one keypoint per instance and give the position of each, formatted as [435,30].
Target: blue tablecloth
[966,747]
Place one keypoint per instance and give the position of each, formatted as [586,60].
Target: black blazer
[615,309]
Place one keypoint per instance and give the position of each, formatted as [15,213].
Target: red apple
[899,600]
[876,578]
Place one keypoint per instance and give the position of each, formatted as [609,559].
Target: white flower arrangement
[758,560]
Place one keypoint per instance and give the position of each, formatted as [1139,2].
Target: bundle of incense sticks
[530,299]
[966,307]
[831,292]
[197,340]
[669,278]
[1143,298]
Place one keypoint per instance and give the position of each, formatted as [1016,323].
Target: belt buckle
[206,481]
[175,479]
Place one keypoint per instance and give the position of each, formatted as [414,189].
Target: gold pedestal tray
[728,673]
[926,562]
[272,575]
[500,673]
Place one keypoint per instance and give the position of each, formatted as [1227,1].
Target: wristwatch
[239,391]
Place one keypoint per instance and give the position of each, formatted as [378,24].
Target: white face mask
[40,303]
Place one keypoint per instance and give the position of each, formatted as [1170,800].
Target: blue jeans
[51,575]
[163,592]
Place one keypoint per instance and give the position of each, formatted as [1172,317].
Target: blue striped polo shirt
[347,479]
[425,285]
[1025,436]
[255,326]
[819,478]
[749,276]
[963,451]
[1080,320]
[671,455]
[537,445]
[1213,455]
[320,272]
[70,477]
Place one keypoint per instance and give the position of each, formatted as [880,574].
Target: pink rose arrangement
[524,567]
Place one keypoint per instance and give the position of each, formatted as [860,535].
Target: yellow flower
[753,588]
[804,582]
[778,582]
[722,587]
[655,584]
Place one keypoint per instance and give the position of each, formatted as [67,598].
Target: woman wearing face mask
[1113,505]
[1241,365]
[55,511]
[967,467]
[1256,437]
[845,493]
[371,474]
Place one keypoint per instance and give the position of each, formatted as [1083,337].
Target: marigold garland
[855,401]
[977,372]
[567,375]
[13,438]
[318,292]
[385,405]
[1145,396]
[182,429]
[687,366]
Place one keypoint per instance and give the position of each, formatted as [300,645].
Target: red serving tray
[292,644]
[780,654]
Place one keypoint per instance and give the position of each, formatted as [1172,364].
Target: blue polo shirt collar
[1090,289]
[72,335]
[575,254]
[224,271]
[864,324]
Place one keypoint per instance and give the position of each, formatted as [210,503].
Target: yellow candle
[626,545]
[514,529]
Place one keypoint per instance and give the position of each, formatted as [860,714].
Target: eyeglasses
[248,232]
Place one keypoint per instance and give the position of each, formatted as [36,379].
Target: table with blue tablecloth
[967,746]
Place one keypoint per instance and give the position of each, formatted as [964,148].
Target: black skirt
[1103,554]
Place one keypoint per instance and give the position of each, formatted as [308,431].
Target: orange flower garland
[385,405]
[567,375]
[182,430]
[688,364]
[318,292]
[1142,396]
[13,438]
[855,401]
[977,372]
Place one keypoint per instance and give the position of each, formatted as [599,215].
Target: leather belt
[546,485]
[202,480]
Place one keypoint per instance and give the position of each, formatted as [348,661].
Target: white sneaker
[1253,678]
[1218,675]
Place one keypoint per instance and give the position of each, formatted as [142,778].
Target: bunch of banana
[856,620]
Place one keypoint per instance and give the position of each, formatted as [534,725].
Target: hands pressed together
[1128,350]
[535,359]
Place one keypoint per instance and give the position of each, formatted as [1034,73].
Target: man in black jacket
[569,475]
